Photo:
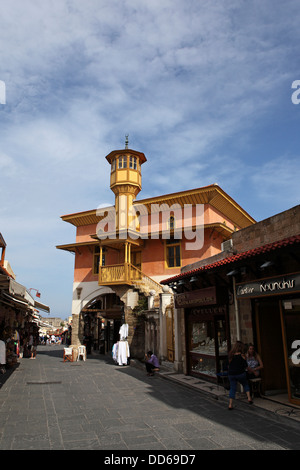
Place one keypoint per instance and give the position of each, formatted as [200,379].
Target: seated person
[152,363]
[254,363]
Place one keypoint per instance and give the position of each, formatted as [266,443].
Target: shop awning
[17,289]
[17,293]
[13,300]
[12,287]
[40,306]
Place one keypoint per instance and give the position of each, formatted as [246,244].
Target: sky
[202,87]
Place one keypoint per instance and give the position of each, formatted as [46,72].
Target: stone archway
[87,298]
[101,321]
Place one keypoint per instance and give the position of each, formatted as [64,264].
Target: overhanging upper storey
[105,220]
[212,195]
[91,217]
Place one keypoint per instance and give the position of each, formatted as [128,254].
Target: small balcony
[125,273]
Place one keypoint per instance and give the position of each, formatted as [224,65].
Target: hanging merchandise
[123,353]
[2,356]
[123,331]
[115,352]
[120,350]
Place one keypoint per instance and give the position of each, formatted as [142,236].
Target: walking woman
[237,372]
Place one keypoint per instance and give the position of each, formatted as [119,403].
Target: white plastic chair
[81,352]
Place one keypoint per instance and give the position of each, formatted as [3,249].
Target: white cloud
[277,182]
[7,166]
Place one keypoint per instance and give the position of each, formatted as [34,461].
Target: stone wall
[245,320]
[275,228]
[136,333]
[77,336]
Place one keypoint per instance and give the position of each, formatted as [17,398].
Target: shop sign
[278,285]
[206,313]
[207,296]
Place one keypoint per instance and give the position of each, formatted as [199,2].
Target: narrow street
[48,404]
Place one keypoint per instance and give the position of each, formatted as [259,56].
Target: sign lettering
[281,285]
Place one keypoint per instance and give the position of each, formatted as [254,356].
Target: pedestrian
[237,372]
[32,347]
[152,363]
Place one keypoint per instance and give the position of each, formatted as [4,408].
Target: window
[171,223]
[173,253]
[133,163]
[97,259]
[122,162]
[113,165]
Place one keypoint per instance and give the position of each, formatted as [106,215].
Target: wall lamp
[234,272]
[267,264]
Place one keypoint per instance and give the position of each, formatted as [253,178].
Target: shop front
[207,332]
[276,321]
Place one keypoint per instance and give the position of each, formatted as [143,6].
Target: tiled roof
[238,257]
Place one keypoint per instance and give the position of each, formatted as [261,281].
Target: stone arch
[99,292]
[100,319]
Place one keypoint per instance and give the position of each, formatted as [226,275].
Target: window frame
[96,259]
[122,162]
[173,245]
[133,163]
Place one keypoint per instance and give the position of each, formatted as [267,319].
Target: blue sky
[203,88]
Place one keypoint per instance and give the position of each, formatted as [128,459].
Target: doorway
[108,334]
[170,334]
[270,346]
[136,259]
[291,330]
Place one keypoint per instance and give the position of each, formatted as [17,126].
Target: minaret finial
[126,141]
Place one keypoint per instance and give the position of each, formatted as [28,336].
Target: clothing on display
[123,331]
[2,352]
[115,352]
[120,350]
[121,353]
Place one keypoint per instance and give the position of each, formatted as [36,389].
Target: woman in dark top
[237,372]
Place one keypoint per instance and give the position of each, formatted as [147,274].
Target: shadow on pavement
[57,350]
[4,377]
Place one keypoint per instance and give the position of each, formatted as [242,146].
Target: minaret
[125,182]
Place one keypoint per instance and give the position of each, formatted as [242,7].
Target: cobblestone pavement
[48,404]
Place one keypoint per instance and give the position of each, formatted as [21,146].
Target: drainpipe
[236,309]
